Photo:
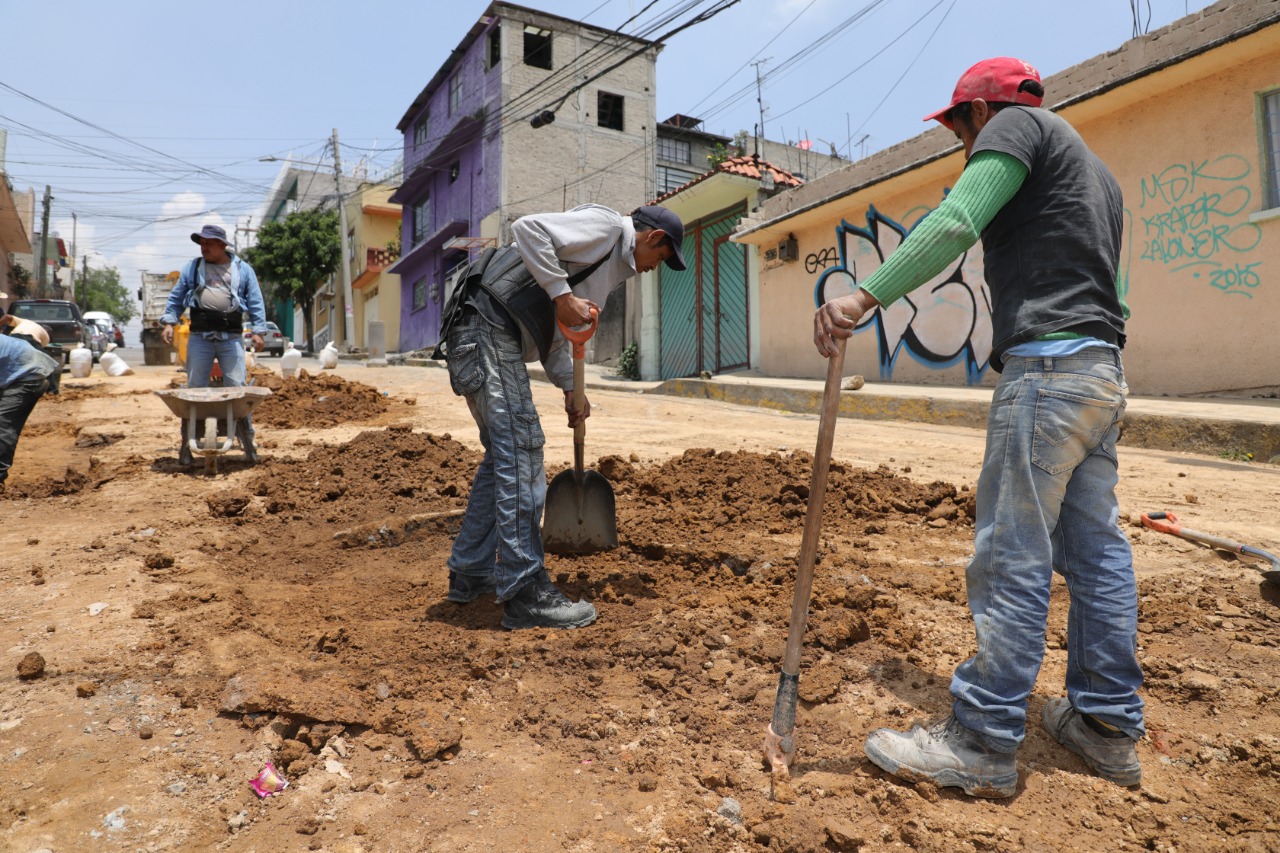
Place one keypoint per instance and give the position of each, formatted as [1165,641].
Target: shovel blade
[580,516]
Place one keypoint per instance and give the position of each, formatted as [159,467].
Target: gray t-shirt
[1052,253]
[216,295]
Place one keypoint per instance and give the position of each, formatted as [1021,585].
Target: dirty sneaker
[947,754]
[539,604]
[184,455]
[464,589]
[1113,758]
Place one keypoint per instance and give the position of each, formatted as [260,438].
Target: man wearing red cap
[1049,214]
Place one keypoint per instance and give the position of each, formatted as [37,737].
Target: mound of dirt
[322,400]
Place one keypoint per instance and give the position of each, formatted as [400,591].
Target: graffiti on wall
[945,322]
[1194,218]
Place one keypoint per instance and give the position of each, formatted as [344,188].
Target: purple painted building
[474,163]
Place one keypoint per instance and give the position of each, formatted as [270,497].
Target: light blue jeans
[501,533]
[201,352]
[229,352]
[1046,503]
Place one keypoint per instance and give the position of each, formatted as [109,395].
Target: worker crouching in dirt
[561,266]
[1050,216]
[26,372]
[218,288]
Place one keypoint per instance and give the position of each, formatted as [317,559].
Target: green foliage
[629,362]
[295,255]
[1236,455]
[19,281]
[100,290]
[721,152]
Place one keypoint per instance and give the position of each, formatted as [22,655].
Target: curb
[1175,433]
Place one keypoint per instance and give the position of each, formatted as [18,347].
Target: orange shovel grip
[578,338]
[1162,522]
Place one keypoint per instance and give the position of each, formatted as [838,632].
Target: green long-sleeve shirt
[986,185]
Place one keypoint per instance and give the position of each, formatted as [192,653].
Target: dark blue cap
[652,216]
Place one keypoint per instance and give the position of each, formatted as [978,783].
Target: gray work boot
[539,604]
[947,754]
[464,589]
[1113,758]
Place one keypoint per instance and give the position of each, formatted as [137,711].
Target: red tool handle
[579,337]
[1162,522]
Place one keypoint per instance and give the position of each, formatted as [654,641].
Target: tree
[100,289]
[295,255]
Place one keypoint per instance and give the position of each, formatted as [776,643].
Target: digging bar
[779,741]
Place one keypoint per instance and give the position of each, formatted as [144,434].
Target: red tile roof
[747,167]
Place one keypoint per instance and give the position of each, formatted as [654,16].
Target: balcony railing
[376,260]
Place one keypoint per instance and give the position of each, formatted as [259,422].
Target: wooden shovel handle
[578,338]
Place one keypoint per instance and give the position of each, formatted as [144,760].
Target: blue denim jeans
[201,352]
[501,533]
[16,402]
[1046,503]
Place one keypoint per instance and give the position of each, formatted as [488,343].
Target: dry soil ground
[194,628]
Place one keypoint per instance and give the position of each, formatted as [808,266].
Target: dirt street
[165,635]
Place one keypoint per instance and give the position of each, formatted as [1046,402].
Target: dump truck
[153,295]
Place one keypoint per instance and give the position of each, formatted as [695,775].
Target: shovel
[580,515]
[1167,522]
[779,741]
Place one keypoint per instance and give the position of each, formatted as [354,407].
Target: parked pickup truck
[60,318]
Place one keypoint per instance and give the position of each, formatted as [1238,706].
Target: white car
[273,341]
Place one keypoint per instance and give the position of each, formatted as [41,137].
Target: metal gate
[704,309]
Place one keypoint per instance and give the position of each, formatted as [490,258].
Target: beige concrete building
[373,244]
[1188,119]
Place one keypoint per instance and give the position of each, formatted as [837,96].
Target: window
[422,220]
[454,171]
[420,131]
[420,293]
[494,58]
[537,47]
[670,179]
[674,150]
[1271,140]
[609,110]
[351,245]
[455,92]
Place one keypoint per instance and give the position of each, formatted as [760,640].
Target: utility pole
[84,277]
[760,103]
[74,223]
[348,310]
[245,229]
[44,244]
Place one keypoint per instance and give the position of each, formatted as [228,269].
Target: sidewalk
[1212,427]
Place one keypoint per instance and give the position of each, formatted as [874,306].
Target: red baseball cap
[992,80]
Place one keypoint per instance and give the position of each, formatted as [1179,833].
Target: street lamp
[348,310]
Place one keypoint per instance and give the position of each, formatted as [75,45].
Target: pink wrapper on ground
[268,782]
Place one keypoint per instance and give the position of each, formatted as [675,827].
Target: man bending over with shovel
[562,267]
[1050,216]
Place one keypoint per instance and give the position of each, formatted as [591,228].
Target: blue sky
[201,91]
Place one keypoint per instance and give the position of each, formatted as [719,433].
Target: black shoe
[464,589]
[184,455]
[539,604]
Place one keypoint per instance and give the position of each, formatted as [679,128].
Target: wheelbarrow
[206,412]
